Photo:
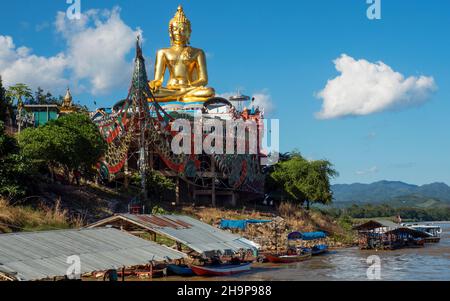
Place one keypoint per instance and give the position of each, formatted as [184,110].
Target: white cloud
[365,88]
[263,100]
[369,171]
[98,53]
[94,58]
[19,65]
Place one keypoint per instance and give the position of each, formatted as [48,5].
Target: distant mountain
[394,193]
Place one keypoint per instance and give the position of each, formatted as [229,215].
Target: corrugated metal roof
[40,255]
[191,232]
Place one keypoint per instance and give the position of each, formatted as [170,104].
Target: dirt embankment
[287,218]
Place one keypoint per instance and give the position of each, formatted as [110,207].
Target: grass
[20,218]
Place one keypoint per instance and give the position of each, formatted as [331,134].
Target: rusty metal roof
[42,255]
[186,230]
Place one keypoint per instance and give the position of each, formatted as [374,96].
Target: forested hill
[394,193]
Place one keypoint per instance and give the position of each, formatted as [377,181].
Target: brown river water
[429,263]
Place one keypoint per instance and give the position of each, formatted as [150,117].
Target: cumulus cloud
[95,56]
[98,52]
[365,88]
[20,65]
[263,100]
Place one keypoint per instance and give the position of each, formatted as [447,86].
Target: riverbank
[66,206]
[285,219]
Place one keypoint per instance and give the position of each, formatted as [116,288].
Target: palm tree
[18,92]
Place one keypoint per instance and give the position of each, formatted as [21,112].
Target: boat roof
[423,226]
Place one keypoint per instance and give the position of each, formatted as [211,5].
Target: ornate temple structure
[67,106]
[139,135]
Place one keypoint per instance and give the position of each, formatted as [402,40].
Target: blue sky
[282,50]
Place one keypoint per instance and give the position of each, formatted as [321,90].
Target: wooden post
[194,194]
[123,274]
[233,199]
[125,170]
[177,191]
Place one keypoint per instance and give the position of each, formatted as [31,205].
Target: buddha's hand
[155,85]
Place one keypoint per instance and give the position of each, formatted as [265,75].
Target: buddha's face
[180,33]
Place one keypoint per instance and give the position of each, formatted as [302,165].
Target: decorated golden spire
[68,99]
[67,106]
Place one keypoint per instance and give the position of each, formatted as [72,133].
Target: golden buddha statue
[186,65]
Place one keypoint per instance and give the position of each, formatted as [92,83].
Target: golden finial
[67,102]
[68,96]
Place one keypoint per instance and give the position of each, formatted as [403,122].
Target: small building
[190,234]
[41,114]
[46,255]
[384,234]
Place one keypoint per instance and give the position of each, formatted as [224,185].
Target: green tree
[39,97]
[304,181]
[72,142]
[15,170]
[6,109]
[158,186]
[19,92]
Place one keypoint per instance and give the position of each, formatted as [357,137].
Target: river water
[429,263]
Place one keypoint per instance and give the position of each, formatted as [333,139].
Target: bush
[15,170]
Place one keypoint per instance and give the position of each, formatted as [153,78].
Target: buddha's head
[180,28]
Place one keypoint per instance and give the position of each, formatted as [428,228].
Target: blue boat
[308,236]
[180,270]
[319,249]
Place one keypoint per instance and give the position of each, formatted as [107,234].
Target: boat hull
[287,258]
[222,270]
[319,250]
[432,239]
[180,270]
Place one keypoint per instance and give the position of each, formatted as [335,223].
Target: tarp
[313,235]
[295,235]
[306,235]
[240,224]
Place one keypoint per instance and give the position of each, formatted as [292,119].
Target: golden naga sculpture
[186,65]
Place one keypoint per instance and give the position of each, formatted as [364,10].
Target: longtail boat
[220,270]
[287,258]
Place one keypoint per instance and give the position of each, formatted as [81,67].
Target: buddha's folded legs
[188,95]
